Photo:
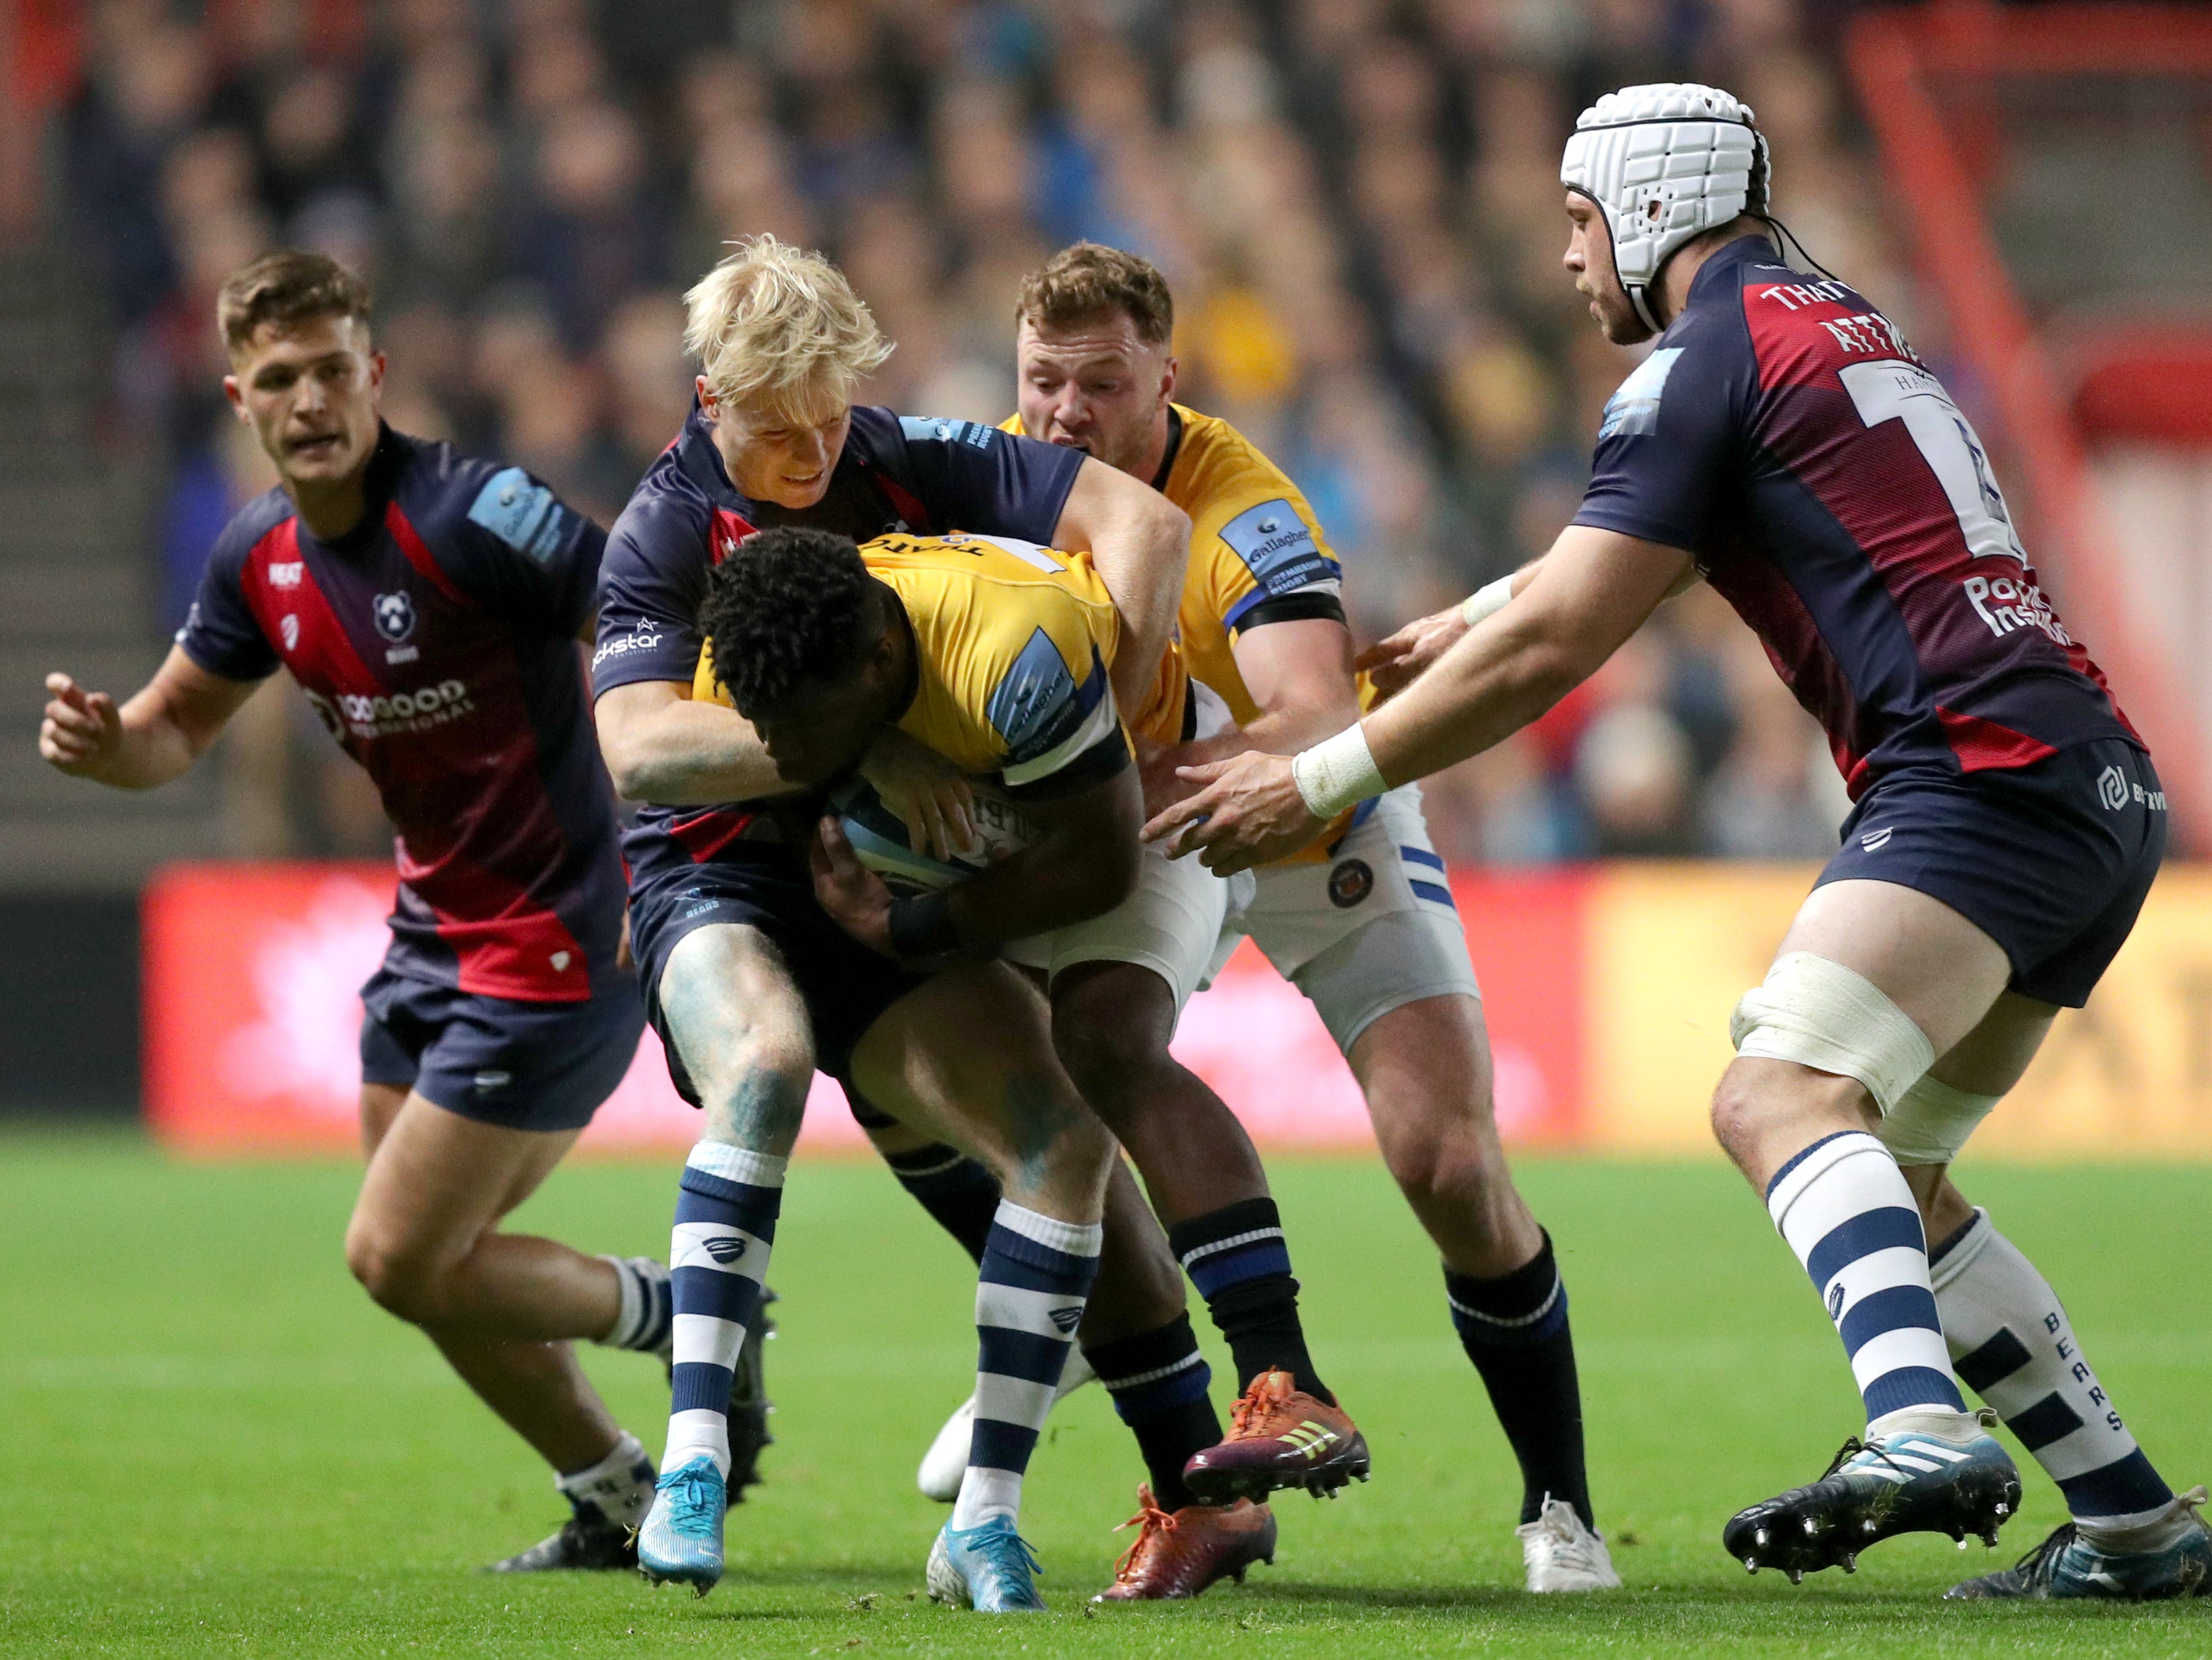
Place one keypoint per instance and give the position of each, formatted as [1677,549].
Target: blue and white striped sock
[726,1215]
[1844,1208]
[2013,1344]
[1030,1293]
[648,1305]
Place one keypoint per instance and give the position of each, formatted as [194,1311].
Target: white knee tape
[1931,1122]
[1825,1016]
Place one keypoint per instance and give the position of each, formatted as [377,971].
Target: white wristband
[1337,773]
[1486,600]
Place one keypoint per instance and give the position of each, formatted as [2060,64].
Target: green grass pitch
[213,1445]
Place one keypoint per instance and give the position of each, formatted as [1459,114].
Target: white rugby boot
[946,1461]
[1560,1553]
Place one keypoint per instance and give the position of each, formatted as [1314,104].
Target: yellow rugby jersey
[1257,554]
[1012,642]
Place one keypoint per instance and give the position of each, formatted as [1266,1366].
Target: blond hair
[778,325]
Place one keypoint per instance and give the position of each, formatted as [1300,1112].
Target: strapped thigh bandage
[1825,1016]
[1931,1122]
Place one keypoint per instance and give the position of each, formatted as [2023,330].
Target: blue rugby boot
[1904,1480]
[2067,1565]
[990,1569]
[682,1539]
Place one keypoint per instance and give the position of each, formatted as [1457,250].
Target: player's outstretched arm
[1593,590]
[1139,543]
[1082,864]
[154,738]
[1590,593]
[661,746]
[1395,663]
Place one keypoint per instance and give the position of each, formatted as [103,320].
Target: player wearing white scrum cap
[1665,164]
[1782,441]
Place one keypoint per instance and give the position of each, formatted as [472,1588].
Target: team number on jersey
[1904,392]
[1893,391]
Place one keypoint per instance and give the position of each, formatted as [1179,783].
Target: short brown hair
[1089,280]
[285,288]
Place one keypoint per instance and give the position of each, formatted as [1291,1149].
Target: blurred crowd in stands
[1356,202]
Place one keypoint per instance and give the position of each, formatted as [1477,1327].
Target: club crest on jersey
[395,615]
[1350,883]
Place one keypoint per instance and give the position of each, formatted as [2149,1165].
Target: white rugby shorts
[1171,923]
[1370,930]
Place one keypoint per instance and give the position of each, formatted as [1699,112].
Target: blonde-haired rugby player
[775,440]
[1360,920]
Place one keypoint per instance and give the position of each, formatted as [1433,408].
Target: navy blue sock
[726,1204]
[1159,1384]
[959,1193]
[1237,1258]
[1515,1329]
[1029,1292]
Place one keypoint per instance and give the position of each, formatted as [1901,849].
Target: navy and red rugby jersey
[896,473]
[437,643]
[1783,432]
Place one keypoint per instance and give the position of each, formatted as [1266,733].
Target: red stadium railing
[1939,155]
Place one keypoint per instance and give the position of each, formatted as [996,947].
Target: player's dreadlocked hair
[791,605]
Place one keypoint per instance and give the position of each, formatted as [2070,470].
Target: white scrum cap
[1666,162]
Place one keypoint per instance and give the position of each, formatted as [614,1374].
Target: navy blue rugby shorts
[844,986]
[521,1066]
[2050,860]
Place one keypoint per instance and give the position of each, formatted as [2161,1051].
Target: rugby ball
[879,838]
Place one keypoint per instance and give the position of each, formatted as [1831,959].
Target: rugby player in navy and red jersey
[431,607]
[746,977]
[1784,443]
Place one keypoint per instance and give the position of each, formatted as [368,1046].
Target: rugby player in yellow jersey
[1362,919]
[994,655]
[998,659]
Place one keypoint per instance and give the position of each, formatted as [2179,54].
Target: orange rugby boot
[1278,1436]
[1180,1553]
